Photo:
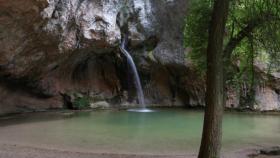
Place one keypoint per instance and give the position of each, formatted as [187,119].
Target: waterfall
[136,79]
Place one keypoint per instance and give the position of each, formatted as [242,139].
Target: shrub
[81,103]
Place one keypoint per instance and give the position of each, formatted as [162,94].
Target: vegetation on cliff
[252,39]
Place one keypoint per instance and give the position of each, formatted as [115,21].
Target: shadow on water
[33,117]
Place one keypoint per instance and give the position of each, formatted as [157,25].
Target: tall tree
[212,130]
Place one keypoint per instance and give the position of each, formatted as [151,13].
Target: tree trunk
[212,130]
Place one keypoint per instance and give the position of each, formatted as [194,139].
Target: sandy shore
[19,151]
[16,151]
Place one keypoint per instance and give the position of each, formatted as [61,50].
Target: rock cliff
[52,47]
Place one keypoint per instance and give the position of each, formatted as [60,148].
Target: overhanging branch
[247,31]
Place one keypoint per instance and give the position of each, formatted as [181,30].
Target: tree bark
[212,129]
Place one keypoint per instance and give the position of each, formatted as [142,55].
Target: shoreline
[198,108]
[8,150]
[24,151]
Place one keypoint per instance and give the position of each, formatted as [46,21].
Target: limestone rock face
[267,99]
[93,23]
[51,47]
[268,91]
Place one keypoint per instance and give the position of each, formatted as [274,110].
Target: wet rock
[272,151]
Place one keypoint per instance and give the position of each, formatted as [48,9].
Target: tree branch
[235,41]
[246,31]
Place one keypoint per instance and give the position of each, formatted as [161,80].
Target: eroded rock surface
[51,47]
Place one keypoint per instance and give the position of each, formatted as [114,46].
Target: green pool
[167,131]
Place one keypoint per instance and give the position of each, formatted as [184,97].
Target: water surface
[170,131]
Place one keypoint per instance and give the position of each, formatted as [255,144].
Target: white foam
[143,110]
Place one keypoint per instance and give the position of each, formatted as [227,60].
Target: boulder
[272,151]
[267,99]
[100,105]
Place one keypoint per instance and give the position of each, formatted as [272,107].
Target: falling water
[136,79]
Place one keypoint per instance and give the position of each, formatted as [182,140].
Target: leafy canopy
[252,37]
[252,31]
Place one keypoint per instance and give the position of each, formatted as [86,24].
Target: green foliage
[254,28]
[269,44]
[245,63]
[266,37]
[262,41]
[196,32]
[81,102]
